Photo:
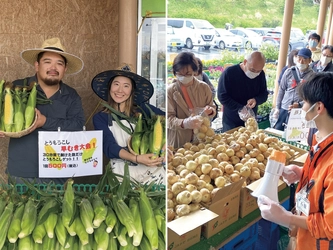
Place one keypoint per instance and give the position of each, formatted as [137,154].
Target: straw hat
[74,63]
[143,89]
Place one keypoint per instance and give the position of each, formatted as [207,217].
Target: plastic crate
[244,241]
[268,235]
[22,188]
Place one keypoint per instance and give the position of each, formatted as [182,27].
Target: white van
[193,32]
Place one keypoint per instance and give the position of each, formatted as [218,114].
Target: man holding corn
[62,107]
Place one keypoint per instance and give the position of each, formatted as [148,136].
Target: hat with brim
[143,89]
[74,63]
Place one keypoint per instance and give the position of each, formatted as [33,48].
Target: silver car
[225,39]
[251,39]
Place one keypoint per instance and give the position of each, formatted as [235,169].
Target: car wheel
[189,43]
[222,45]
[206,47]
[248,45]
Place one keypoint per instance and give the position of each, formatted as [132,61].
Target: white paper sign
[296,130]
[70,154]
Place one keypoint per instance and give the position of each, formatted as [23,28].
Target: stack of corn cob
[17,106]
[113,216]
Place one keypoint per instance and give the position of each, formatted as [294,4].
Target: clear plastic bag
[246,113]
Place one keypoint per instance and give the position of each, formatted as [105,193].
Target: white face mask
[311,123]
[301,66]
[324,60]
[184,79]
[251,74]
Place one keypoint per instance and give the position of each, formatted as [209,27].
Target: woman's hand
[149,160]
[209,110]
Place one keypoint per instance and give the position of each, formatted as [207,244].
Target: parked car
[251,39]
[193,32]
[173,41]
[260,31]
[225,39]
[297,39]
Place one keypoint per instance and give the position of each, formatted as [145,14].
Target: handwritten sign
[296,130]
[70,154]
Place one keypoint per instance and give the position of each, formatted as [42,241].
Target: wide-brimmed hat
[143,89]
[74,63]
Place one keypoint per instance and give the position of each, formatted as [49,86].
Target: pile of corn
[121,218]
[17,106]
[149,137]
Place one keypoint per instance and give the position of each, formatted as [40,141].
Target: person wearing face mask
[242,85]
[292,60]
[325,62]
[311,223]
[314,40]
[188,99]
[287,97]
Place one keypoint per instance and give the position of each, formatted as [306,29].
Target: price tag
[296,130]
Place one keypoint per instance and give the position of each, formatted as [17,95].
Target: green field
[245,13]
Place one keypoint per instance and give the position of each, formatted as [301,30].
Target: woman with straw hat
[126,93]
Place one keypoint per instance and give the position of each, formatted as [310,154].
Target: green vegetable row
[118,214]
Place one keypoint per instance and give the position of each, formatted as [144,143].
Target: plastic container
[268,235]
[244,241]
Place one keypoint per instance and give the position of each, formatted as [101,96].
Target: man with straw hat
[62,107]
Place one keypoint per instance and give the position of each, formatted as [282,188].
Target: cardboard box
[226,204]
[186,230]
[248,203]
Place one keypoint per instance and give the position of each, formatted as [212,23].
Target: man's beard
[51,82]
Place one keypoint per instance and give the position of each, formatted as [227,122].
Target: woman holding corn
[127,94]
[63,107]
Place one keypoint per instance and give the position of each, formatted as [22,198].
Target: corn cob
[26,243]
[15,225]
[88,152]
[160,221]
[148,220]
[110,219]
[29,219]
[144,146]
[124,215]
[87,215]
[81,231]
[68,204]
[137,135]
[61,234]
[50,224]
[129,246]
[50,206]
[113,244]
[136,142]
[134,207]
[49,243]
[144,243]
[38,233]
[8,116]
[18,116]
[100,210]
[71,229]
[101,237]
[5,220]
[37,246]
[29,113]
[120,232]
[157,138]
[3,201]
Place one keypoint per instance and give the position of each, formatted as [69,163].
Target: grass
[245,13]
